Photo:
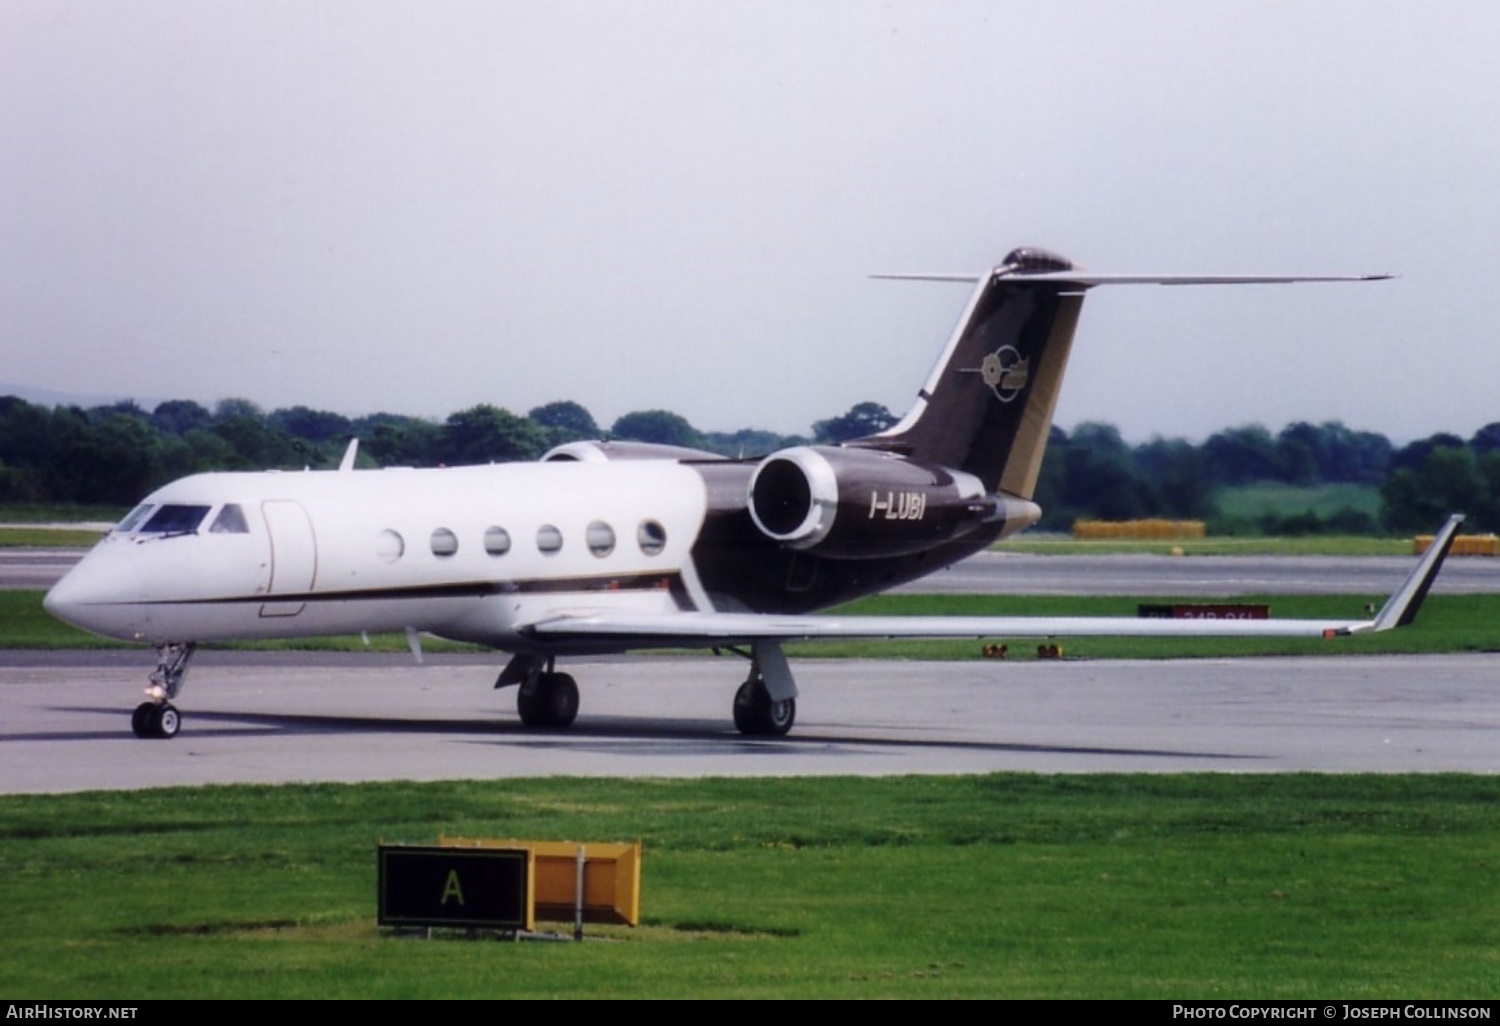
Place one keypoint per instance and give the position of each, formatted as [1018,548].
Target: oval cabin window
[548,539]
[652,537]
[444,542]
[496,541]
[389,546]
[600,538]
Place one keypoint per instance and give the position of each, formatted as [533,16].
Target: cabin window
[496,541]
[652,537]
[231,520]
[444,542]
[600,538]
[175,520]
[389,546]
[133,518]
[548,539]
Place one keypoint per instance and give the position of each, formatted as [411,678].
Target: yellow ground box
[1463,545]
[611,877]
[1113,530]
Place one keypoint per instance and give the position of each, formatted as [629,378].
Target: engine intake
[856,503]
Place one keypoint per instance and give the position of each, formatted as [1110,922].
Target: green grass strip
[1313,545]
[1195,886]
[47,538]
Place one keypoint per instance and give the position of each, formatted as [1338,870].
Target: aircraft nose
[66,600]
[82,600]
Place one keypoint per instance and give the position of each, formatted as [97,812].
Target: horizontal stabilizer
[1085,278]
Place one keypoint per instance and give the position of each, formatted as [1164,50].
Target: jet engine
[853,503]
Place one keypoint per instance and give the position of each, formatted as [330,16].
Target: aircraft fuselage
[467,553]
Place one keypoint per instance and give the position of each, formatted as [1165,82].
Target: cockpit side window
[231,520]
[175,520]
[133,518]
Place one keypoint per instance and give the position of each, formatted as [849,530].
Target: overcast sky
[417,207]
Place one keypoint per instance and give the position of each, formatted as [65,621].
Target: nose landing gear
[158,717]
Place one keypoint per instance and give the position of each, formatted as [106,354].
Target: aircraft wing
[708,629]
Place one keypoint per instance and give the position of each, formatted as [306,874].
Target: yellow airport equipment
[1135,530]
[576,882]
[1463,545]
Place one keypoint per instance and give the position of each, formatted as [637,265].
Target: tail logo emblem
[1006,371]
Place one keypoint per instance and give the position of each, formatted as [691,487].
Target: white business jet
[610,546]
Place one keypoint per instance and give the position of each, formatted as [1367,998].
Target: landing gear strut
[158,717]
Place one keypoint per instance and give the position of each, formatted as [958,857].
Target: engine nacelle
[857,503]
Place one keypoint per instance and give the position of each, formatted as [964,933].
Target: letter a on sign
[453,888]
[437,886]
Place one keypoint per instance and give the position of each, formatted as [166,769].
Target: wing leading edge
[706,629]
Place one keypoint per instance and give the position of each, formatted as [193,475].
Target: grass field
[998,886]
[59,513]
[1248,502]
[1312,545]
[46,538]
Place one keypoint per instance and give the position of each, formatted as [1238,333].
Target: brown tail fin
[987,407]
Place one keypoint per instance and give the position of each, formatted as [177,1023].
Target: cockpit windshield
[133,518]
[172,519]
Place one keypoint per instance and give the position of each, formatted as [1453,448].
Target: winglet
[347,463]
[1401,608]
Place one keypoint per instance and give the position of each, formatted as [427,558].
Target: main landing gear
[158,717]
[764,706]
[757,714]
[544,697]
[548,700]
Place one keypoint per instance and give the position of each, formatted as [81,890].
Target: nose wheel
[159,718]
[156,720]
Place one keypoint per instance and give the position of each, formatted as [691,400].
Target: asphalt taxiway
[279,717]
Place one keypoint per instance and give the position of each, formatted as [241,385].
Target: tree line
[116,453]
